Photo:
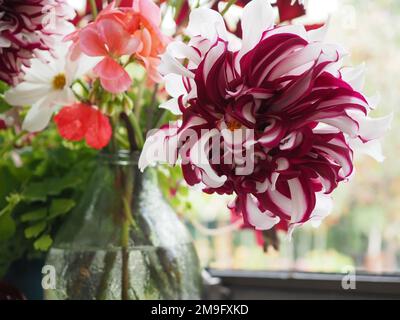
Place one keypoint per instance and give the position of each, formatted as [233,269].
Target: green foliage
[41,182]
[4,106]
[174,188]
[43,243]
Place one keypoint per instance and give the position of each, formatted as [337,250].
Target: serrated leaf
[43,243]
[7,227]
[59,207]
[34,230]
[35,215]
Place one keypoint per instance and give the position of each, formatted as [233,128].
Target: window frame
[249,284]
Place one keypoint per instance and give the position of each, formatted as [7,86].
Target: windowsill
[241,284]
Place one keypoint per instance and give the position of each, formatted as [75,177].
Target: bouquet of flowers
[267,112]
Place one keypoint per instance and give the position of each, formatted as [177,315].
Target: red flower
[81,121]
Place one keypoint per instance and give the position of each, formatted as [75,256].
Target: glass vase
[123,241]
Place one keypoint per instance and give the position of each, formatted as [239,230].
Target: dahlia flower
[272,122]
[131,30]
[28,27]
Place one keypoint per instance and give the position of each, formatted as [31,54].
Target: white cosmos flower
[47,86]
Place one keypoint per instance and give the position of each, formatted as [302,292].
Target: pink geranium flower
[131,30]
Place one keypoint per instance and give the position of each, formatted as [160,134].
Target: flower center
[233,125]
[59,81]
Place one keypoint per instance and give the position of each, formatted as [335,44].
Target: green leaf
[59,207]
[7,227]
[35,215]
[8,184]
[38,191]
[43,243]
[36,229]
[4,106]
[35,191]
[3,86]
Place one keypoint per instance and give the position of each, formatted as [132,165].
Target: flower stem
[125,228]
[138,131]
[94,8]
[125,259]
[133,141]
[228,5]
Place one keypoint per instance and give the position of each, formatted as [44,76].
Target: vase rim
[120,157]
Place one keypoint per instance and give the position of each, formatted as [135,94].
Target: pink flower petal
[90,42]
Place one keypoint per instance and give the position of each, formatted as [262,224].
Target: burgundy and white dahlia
[27,28]
[274,121]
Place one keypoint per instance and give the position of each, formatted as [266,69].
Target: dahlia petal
[258,219]
[207,23]
[257,17]
[157,148]
[318,34]
[295,29]
[169,64]
[303,201]
[371,128]
[282,165]
[323,207]
[272,135]
[298,62]
[340,154]
[371,148]
[354,76]
[342,122]
[279,203]
[263,186]
[181,50]
[373,101]
[215,53]
[174,85]
[199,157]
[171,105]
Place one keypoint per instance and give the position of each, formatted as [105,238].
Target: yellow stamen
[59,81]
[233,125]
